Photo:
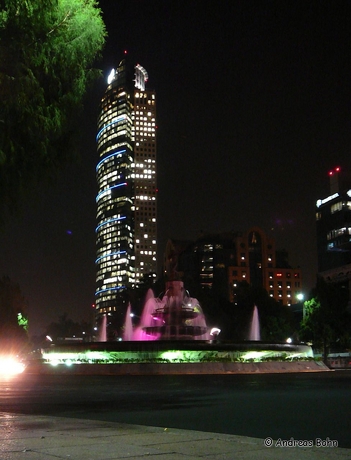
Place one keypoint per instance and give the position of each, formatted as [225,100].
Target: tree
[67,328]
[326,320]
[234,319]
[276,320]
[47,48]
[13,323]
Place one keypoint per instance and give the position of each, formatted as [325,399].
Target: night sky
[253,109]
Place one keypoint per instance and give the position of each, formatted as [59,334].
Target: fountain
[172,337]
[255,326]
[176,316]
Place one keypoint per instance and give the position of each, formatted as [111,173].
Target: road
[303,406]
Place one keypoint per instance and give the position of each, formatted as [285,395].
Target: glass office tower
[126,232]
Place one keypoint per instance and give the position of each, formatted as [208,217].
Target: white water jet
[102,331]
[128,325]
[255,333]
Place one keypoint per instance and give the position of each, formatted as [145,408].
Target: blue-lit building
[333,224]
[126,232]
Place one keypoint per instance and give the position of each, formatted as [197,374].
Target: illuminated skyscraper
[333,224]
[126,232]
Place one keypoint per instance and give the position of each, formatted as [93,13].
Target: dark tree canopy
[327,321]
[276,320]
[234,319]
[47,48]
[12,308]
[67,328]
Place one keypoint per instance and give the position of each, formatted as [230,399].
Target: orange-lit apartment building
[221,261]
[257,262]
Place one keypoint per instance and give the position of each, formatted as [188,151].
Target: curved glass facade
[126,231]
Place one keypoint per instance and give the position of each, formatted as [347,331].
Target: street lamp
[300,297]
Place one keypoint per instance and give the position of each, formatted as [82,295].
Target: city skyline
[253,111]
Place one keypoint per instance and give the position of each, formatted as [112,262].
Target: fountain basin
[175,357]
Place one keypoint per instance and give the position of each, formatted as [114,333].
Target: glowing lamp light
[10,366]
[215,331]
[111,76]
[172,355]
[254,355]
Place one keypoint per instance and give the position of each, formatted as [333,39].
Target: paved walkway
[25,437]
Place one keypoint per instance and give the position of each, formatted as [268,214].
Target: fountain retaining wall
[175,357]
[178,368]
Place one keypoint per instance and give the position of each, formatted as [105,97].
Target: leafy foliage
[326,319]
[66,327]
[47,48]
[276,320]
[234,320]
[12,307]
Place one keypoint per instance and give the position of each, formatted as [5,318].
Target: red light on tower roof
[125,52]
[334,180]
[335,170]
